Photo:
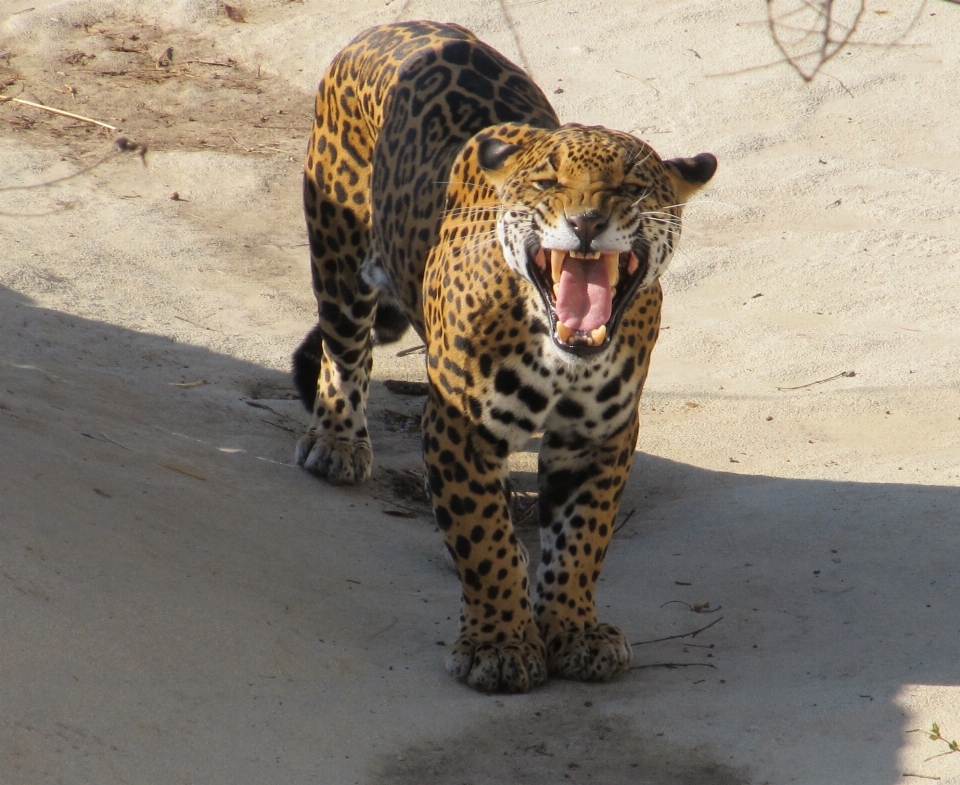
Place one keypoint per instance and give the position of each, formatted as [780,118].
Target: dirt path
[179,604]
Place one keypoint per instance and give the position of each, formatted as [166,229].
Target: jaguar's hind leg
[332,366]
[332,373]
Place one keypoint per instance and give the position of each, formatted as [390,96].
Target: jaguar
[442,191]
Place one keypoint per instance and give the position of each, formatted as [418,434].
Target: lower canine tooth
[564,332]
[597,336]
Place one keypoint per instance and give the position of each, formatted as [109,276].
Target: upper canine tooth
[633,264]
[540,259]
[597,336]
[556,264]
[612,261]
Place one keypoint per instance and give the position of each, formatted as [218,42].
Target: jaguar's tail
[306,367]
[389,322]
[389,325]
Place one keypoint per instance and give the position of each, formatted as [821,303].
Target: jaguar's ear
[494,156]
[689,175]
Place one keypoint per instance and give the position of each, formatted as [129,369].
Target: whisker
[661,215]
[646,152]
[469,183]
[492,208]
[461,224]
[703,201]
[644,195]
[470,211]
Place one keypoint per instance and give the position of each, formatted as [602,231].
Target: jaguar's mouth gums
[585,293]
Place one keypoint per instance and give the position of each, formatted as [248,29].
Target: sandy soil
[180,604]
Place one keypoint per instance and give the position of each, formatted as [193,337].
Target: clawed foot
[340,461]
[596,654]
[498,667]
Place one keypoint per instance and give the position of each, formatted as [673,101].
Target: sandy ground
[180,604]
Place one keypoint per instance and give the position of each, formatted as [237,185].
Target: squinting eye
[634,190]
[544,185]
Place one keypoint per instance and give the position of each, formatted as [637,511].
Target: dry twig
[626,518]
[181,470]
[843,374]
[693,634]
[400,387]
[411,350]
[672,665]
[8,99]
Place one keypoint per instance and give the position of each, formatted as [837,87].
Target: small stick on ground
[6,99]
[625,519]
[698,608]
[222,64]
[411,350]
[526,513]
[693,634]
[181,470]
[278,425]
[413,512]
[639,79]
[114,441]
[843,374]
[190,321]
[257,405]
[673,665]
[400,387]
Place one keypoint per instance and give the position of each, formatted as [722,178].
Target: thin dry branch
[841,375]
[8,99]
[672,665]
[693,634]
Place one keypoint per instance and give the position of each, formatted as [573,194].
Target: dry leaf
[233,12]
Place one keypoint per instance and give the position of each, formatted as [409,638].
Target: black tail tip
[389,322]
[306,367]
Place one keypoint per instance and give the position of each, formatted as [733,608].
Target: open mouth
[585,293]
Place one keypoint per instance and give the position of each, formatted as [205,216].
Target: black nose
[586,226]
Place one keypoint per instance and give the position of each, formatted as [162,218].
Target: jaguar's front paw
[594,654]
[340,461]
[517,666]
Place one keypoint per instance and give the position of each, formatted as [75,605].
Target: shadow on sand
[836,596]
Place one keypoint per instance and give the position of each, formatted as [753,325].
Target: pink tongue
[583,300]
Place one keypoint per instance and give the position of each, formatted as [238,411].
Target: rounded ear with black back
[689,175]
[493,153]
[493,156]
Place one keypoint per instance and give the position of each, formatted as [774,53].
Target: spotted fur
[440,189]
